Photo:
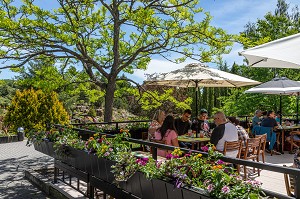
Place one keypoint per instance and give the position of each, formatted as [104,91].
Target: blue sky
[231,15]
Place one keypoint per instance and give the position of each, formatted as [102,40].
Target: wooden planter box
[8,139]
[141,187]
[45,147]
[103,170]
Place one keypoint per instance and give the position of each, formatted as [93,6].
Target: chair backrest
[252,147]
[263,140]
[233,146]
[289,183]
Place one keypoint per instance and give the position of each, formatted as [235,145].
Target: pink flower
[204,148]
[106,154]
[220,162]
[142,161]
[170,156]
[225,189]
[210,188]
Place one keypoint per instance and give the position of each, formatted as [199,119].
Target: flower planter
[80,159]
[67,155]
[8,139]
[103,170]
[141,187]
[45,147]
[109,175]
[92,164]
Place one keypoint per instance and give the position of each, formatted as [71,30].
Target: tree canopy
[107,38]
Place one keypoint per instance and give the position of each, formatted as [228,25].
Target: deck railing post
[297,187]
[154,153]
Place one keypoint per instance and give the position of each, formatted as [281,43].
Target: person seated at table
[156,123]
[167,133]
[201,123]
[224,131]
[278,116]
[264,115]
[270,122]
[243,135]
[256,119]
[183,124]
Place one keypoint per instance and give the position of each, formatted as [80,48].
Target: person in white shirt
[225,131]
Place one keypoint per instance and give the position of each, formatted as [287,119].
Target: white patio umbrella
[198,75]
[281,53]
[280,86]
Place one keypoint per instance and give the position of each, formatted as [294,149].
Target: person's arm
[217,134]
[175,142]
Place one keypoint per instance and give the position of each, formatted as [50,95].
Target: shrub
[34,109]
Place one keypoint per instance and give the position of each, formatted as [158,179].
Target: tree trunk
[109,99]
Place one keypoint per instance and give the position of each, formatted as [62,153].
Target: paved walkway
[15,158]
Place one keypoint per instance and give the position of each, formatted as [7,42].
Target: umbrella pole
[197,90]
[297,102]
[280,108]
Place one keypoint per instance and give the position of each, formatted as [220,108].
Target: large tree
[108,37]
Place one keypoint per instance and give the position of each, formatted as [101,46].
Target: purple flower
[204,148]
[225,189]
[142,161]
[170,156]
[220,162]
[178,183]
[106,154]
[210,188]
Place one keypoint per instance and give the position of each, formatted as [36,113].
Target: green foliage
[34,109]
[134,32]
[273,26]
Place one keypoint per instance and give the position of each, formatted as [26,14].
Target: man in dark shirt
[270,122]
[182,124]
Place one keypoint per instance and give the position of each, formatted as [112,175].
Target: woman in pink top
[168,134]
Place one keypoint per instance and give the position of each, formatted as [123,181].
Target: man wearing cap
[201,122]
[256,119]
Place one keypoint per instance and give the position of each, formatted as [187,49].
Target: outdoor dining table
[281,131]
[193,140]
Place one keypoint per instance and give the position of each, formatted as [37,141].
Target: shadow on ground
[12,181]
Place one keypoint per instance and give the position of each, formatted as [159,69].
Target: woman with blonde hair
[156,123]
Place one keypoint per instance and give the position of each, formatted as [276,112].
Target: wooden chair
[289,184]
[233,146]
[263,141]
[294,141]
[250,152]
